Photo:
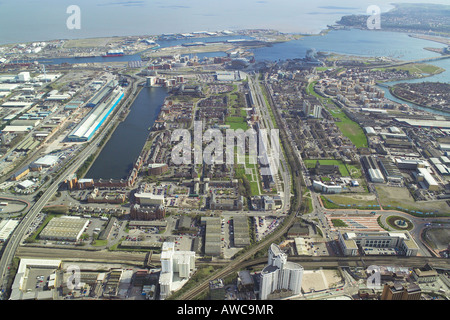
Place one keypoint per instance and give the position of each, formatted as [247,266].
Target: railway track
[241,261]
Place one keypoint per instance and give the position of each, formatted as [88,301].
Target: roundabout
[399,223]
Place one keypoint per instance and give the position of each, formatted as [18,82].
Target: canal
[120,152]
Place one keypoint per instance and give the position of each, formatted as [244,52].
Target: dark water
[119,154]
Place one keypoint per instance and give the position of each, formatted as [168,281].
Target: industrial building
[410,164]
[228,75]
[92,122]
[46,161]
[6,228]
[102,94]
[24,185]
[441,124]
[241,231]
[212,236]
[64,228]
[401,242]
[280,276]
[390,170]
[426,180]
[372,169]
[370,131]
[20,174]
[319,186]
[23,287]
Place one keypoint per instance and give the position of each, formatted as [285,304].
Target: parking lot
[37,279]
[265,226]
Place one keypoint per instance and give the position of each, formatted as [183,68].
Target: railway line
[241,261]
[17,236]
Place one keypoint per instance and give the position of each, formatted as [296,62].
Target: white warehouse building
[92,122]
[6,228]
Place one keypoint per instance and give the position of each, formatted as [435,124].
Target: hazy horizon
[31,20]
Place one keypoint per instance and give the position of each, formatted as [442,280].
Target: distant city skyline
[27,20]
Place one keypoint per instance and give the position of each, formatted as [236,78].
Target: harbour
[129,136]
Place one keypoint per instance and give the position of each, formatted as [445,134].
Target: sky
[39,20]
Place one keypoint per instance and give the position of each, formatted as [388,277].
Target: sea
[43,20]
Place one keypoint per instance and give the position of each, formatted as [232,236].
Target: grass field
[355,200]
[342,168]
[236,123]
[88,43]
[420,68]
[354,171]
[401,199]
[349,128]
[323,68]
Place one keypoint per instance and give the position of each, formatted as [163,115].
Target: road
[241,260]
[419,224]
[308,262]
[17,236]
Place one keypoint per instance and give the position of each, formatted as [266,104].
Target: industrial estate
[357,207]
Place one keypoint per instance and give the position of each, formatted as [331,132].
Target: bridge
[383,85]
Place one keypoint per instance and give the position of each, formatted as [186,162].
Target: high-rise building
[174,262]
[317,111]
[306,108]
[280,274]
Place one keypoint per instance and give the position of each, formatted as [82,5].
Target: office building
[398,291]
[374,243]
[427,274]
